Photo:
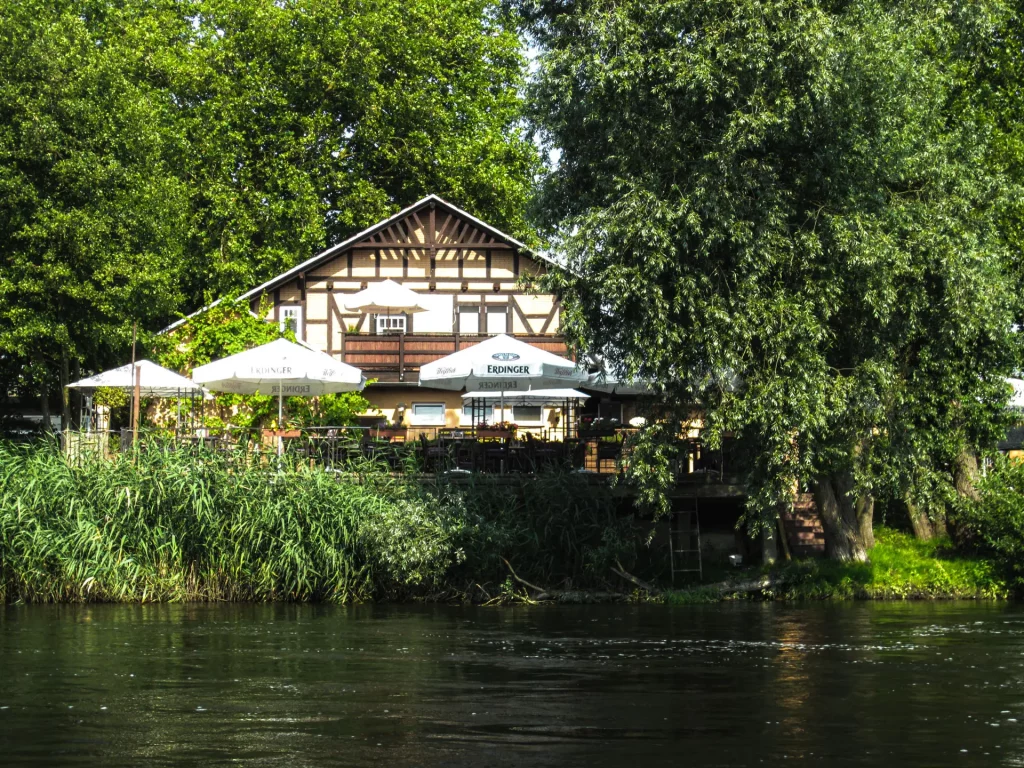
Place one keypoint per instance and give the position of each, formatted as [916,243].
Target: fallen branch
[563,595]
[744,587]
[620,571]
[525,583]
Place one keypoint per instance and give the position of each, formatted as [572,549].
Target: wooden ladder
[684,540]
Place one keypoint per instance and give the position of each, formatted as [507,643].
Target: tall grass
[167,525]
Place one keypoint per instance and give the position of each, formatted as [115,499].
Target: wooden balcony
[398,357]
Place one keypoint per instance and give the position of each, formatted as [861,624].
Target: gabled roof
[368,232]
[199,311]
[326,255]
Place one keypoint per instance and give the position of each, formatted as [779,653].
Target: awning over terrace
[533,397]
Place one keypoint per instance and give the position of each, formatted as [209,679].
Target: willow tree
[783,212]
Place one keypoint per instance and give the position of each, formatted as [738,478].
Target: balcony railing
[398,357]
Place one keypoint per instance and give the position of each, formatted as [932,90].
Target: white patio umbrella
[387,298]
[280,368]
[154,381]
[603,381]
[502,364]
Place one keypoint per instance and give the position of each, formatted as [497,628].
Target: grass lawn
[901,568]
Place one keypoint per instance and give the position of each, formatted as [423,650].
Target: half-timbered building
[467,274]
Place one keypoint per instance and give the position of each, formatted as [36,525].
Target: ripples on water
[927,684]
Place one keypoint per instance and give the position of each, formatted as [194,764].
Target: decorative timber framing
[437,249]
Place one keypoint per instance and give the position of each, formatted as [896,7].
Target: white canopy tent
[532,397]
[154,381]
[280,368]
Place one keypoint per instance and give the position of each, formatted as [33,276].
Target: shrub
[994,524]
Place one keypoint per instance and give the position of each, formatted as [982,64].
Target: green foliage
[111,397]
[91,210]
[334,410]
[552,528]
[165,524]
[308,121]
[789,213]
[156,155]
[227,328]
[994,522]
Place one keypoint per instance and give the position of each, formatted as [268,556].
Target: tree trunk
[65,398]
[847,521]
[965,473]
[919,521]
[76,398]
[44,401]
[939,521]
[865,509]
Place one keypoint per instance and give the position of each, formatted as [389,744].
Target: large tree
[786,212]
[309,120]
[90,210]
[160,153]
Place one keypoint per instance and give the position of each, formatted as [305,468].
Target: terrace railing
[410,450]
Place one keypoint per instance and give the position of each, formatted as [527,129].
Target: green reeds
[166,524]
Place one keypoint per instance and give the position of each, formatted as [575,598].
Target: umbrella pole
[280,425]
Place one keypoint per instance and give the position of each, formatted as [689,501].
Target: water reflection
[729,685]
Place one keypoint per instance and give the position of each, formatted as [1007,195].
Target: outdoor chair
[436,457]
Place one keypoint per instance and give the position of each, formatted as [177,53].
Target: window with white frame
[497,319]
[484,414]
[291,319]
[469,319]
[391,324]
[427,414]
[527,414]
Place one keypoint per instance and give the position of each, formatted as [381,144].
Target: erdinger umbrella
[502,364]
[154,381]
[280,368]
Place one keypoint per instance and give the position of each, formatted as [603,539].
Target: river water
[922,684]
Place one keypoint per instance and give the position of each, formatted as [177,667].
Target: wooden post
[134,411]
[401,356]
[137,392]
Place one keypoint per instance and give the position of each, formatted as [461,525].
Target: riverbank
[166,525]
[169,526]
[900,568]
